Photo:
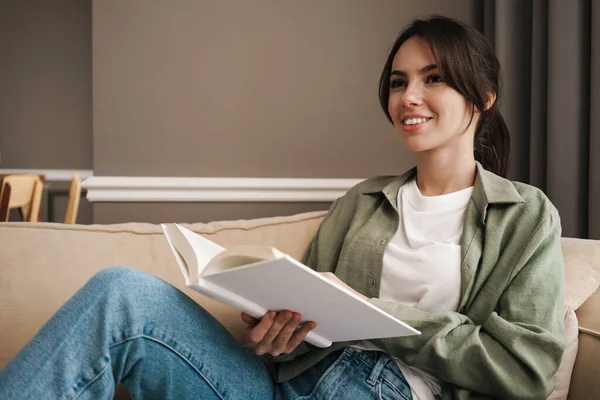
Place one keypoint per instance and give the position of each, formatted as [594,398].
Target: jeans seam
[144,336]
[377,370]
[383,378]
[94,379]
[382,374]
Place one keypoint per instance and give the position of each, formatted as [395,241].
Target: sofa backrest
[43,264]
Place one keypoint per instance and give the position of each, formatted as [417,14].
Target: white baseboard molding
[52,175]
[180,189]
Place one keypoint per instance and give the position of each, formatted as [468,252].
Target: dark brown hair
[468,64]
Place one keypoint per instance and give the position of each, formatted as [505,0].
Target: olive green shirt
[507,338]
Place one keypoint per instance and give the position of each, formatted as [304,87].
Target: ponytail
[492,142]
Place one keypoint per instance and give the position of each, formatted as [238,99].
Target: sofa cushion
[584,382]
[582,272]
[562,378]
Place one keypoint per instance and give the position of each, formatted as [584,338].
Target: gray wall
[236,88]
[46,89]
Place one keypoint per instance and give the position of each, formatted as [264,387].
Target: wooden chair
[24,192]
[74,198]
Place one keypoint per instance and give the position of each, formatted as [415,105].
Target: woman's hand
[275,333]
[336,281]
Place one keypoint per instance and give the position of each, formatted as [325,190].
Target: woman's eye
[397,83]
[434,78]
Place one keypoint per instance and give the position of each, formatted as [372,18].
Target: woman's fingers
[280,344]
[300,334]
[275,333]
[279,322]
[248,319]
[259,331]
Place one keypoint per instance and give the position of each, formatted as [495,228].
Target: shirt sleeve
[515,353]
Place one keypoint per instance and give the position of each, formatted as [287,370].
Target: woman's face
[428,114]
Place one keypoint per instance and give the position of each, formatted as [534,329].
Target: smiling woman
[468,258]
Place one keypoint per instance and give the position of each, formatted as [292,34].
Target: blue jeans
[127,326]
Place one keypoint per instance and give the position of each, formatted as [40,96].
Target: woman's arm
[515,353]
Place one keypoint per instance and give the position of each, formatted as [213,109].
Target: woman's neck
[437,176]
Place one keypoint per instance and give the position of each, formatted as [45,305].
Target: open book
[256,279]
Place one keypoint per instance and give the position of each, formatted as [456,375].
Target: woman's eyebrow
[422,71]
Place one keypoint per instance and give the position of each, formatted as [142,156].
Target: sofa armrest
[584,381]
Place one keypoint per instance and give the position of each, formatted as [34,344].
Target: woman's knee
[122,279]
[129,290]
[115,274]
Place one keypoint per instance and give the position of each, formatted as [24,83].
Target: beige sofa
[42,265]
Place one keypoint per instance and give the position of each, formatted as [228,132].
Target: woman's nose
[412,96]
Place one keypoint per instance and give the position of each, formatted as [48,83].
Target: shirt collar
[489,189]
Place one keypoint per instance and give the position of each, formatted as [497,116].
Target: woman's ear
[491,101]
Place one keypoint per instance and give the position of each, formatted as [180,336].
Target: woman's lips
[414,127]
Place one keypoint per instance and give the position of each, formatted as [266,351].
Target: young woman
[467,257]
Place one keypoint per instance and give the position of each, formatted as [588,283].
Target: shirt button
[382,241]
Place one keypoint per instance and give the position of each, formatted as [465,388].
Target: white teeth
[412,121]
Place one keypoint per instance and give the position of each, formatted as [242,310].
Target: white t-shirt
[421,264]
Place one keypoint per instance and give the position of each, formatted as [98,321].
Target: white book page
[204,248]
[192,251]
[239,256]
[182,251]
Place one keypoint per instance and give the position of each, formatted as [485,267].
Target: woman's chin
[416,145]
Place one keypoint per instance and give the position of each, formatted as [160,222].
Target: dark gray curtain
[550,54]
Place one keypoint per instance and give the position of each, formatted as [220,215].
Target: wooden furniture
[24,192]
[74,198]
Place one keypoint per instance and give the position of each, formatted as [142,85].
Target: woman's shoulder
[533,196]
[538,209]
[520,207]
[499,190]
